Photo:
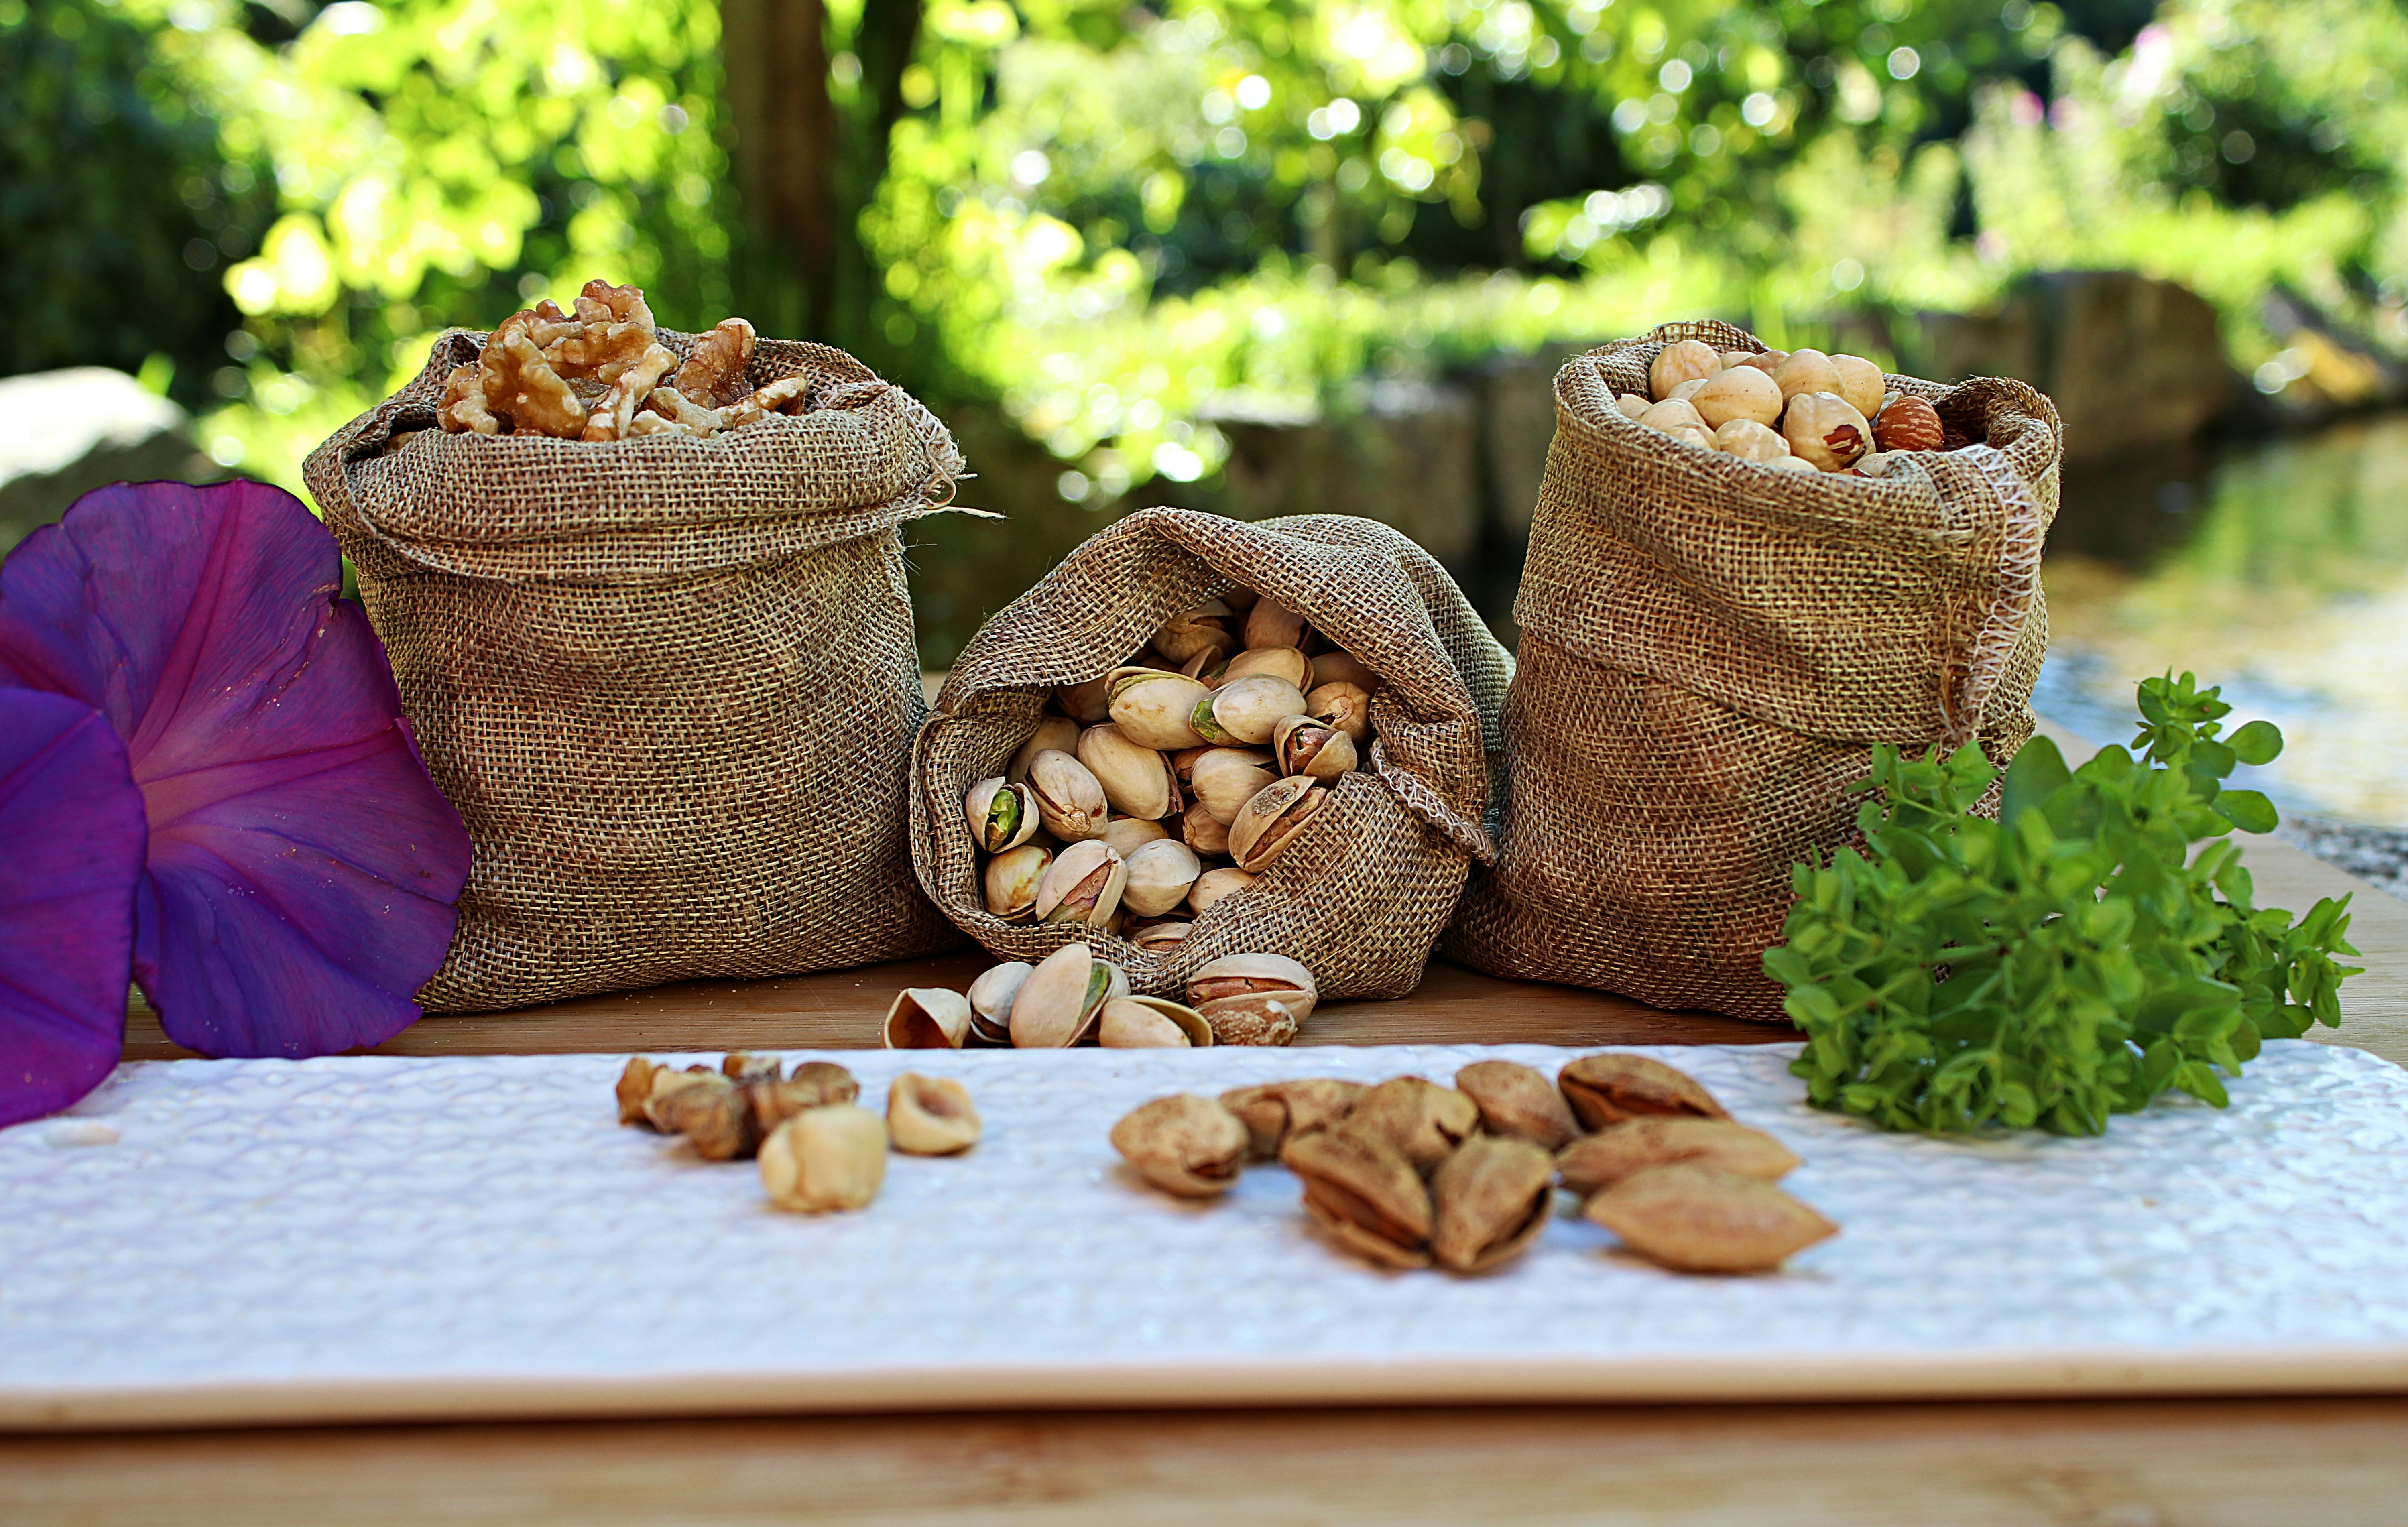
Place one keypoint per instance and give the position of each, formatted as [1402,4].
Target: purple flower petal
[71,839]
[302,865]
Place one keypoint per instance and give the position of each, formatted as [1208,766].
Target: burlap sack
[668,682]
[1709,650]
[1361,895]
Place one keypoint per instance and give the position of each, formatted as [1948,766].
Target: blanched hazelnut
[1683,360]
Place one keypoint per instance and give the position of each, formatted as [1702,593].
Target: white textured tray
[340,1239]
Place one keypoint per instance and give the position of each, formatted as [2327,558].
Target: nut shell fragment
[1255,1018]
[1699,1218]
[1604,1159]
[1152,1023]
[1518,1103]
[926,1018]
[1184,1144]
[1364,1193]
[930,1116]
[825,1159]
[1490,1200]
[1608,1089]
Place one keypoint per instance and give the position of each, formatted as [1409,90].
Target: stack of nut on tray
[1073,996]
[1146,795]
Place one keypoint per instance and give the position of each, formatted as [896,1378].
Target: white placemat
[381,1237]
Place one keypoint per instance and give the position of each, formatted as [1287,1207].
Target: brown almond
[1423,1120]
[1492,1199]
[1273,1111]
[1518,1102]
[1604,1159]
[1608,1089]
[1698,1219]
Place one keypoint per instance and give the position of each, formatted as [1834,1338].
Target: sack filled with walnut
[1711,642]
[666,670]
[1198,737]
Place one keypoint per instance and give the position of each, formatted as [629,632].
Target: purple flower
[302,867]
[71,835]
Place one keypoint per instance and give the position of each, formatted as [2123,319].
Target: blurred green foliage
[1102,215]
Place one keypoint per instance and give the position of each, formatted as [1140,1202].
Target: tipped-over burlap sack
[1364,891]
[1709,650]
[668,682]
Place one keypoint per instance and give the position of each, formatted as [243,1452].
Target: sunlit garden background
[1264,257]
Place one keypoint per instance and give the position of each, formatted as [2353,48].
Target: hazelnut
[1909,424]
[1743,392]
[1630,405]
[1807,371]
[1861,383]
[1672,414]
[1825,430]
[1683,360]
[1689,388]
[1751,441]
[1768,360]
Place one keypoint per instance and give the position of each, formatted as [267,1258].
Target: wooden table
[2127,1463]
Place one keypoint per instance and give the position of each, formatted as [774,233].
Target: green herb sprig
[2069,960]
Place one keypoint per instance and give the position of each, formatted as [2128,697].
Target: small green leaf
[2038,772]
[2259,742]
[2247,810]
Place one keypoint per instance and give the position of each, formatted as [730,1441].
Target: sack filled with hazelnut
[1747,566]
[644,598]
[1198,738]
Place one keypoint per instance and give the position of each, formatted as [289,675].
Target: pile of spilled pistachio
[819,1149]
[1408,1173]
[1072,997]
[1147,795]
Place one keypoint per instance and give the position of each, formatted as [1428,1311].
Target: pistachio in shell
[1364,1193]
[1152,1023]
[927,1018]
[1203,831]
[990,996]
[1699,1218]
[1336,667]
[931,1116]
[1215,885]
[1162,935]
[1489,1201]
[1301,745]
[1002,815]
[1136,781]
[1013,878]
[1225,778]
[1273,625]
[1238,975]
[1271,819]
[1608,1089]
[1060,1001]
[1424,1120]
[1206,628]
[1288,664]
[1160,874]
[1054,734]
[1184,1144]
[1087,704]
[1344,706]
[1254,1018]
[1601,1160]
[1242,711]
[1070,800]
[1273,1111]
[1153,708]
[1127,834]
[1083,886]
[825,1159]
[1518,1103]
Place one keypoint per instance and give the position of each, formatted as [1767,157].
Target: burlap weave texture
[1709,650]
[670,683]
[1361,895]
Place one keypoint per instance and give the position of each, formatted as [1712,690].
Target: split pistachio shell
[1604,1159]
[1235,975]
[1301,745]
[931,1116]
[1364,1193]
[1160,874]
[1683,360]
[1203,831]
[1137,780]
[1162,937]
[1205,628]
[1254,1018]
[1861,383]
[1424,1120]
[1806,371]
[1273,625]
[1152,707]
[1150,1024]
[1054,734]
[1012,878]
[990,996]
[1225,778]
[1699,1218]
[1343,668]
[1002,815]
[1214,884]
[1490,1200]
[1126,834]
[1070,800]
[1083,886]
[1059,1002]
[1287,664]
[1608,1089]
[1184,1144]
[1244,711]
[1518,1103]
[1272,820]
[927,1018]
[1087,704]
[824,1160]
[1825,430]
[1345,707]
[1741,393]
[1273,1111]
